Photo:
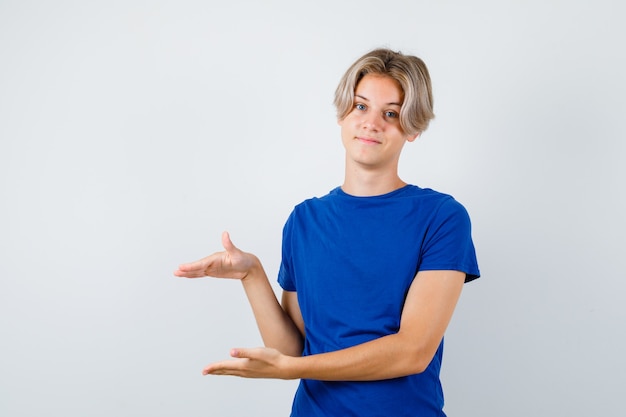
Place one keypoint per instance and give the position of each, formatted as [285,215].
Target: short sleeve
[448,242]
[285,271]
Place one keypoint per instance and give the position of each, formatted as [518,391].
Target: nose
[372,120]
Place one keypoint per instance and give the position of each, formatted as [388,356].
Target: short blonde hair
[410,73]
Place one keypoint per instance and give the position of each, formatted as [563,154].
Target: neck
[364,183]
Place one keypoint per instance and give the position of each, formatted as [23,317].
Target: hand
[252,363]
[232,263]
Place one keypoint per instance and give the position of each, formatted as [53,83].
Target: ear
[411,138]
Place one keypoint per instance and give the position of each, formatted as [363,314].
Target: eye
[359,106]
[391,114]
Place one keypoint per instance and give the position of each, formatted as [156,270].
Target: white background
[133,132]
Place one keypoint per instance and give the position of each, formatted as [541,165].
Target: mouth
[368,141]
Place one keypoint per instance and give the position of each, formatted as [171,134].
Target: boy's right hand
[231,263]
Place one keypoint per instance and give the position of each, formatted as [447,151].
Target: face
[371,132]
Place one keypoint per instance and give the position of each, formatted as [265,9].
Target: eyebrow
[387,104]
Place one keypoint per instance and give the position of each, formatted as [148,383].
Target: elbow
[417,365]
[417,352]
[419,360]
[420,366]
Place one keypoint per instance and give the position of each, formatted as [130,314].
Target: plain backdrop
[132,133]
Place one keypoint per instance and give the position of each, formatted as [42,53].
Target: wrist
[255,268]
[291,368]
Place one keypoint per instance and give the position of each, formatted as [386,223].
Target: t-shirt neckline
[393,193]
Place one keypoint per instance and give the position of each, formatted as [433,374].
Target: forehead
[380,88]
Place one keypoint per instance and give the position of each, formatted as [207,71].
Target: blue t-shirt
[351,260]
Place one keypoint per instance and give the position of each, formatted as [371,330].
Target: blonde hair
[410,73]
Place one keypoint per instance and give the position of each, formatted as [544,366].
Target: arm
[276,327]
[292,308]
[275,323]
[428,309]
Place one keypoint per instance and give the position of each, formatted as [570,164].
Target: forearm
[387,357]
[276,327]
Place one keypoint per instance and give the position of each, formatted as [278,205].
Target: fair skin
[373,140]
[373,137]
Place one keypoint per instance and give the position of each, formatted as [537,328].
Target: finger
[189,274]
[192,266]
[237,353]
[191,270]
[196,269]
[228,367]
[244,353]
[227,243]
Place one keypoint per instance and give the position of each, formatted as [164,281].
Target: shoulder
[318,201]
[435,209]
[436,201]
[312,205]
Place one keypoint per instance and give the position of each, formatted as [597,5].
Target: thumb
[248,353]
[227,243]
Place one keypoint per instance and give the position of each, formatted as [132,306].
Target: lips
[367,140]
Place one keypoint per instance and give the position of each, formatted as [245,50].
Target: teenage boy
[371,272]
